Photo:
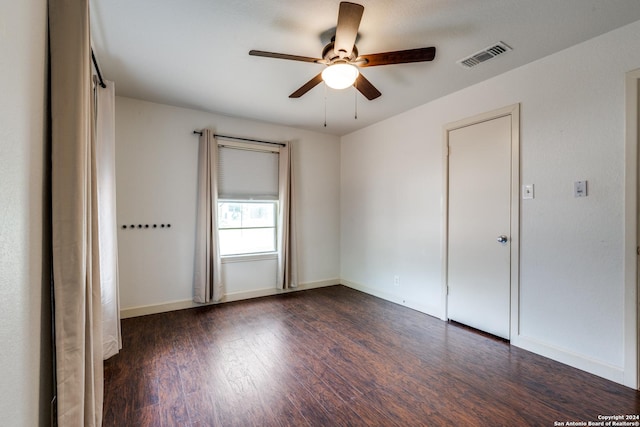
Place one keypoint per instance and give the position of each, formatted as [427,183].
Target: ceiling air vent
[484,55]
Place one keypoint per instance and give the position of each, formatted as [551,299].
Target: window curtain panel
[105,177]
[207,285]
[287,254]
[76,267]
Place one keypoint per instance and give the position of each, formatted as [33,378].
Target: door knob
[503,239]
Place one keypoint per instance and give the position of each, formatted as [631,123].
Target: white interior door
[479,226]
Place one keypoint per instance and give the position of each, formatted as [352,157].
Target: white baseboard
[610,372]
[235,296]
[431,311]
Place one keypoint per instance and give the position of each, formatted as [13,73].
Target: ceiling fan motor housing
[331,56]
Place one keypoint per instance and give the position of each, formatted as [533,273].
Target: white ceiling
[194,53]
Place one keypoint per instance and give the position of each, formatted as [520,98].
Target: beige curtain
[105,193]
[287,259]
[207,278]
[76,269]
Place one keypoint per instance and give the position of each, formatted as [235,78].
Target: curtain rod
[95,64]
[236,138]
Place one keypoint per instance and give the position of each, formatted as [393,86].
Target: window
[247,227]
[247,199]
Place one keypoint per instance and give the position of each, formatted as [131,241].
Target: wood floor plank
[149,416]
[168,378]
[175,413]
[314,400]
[201,409]
[335,356]
[117,405]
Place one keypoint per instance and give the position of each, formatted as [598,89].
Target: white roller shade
[247,174]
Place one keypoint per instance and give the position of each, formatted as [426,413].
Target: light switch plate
[580,189]
[527,191]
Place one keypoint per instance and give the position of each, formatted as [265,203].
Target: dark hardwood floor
[337,357]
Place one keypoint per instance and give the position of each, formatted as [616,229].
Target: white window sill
[249,257]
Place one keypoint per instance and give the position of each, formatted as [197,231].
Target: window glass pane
[258,215]
[246,227]
[246,214]
[247,241]
[229,215]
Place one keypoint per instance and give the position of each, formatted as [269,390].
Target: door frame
[512,111]
[631,376]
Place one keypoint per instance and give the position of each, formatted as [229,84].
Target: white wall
[25,358]
[572,128]
[156,166]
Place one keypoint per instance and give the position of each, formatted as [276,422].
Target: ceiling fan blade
[307,86]
[285,56]
[397,57]
[349,17]
[366,88]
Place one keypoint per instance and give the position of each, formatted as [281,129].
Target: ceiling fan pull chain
[325,105]
[355,94]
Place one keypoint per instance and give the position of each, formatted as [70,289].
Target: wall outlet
[396,280]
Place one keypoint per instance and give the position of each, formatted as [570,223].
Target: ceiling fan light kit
[342,60]
[340,76]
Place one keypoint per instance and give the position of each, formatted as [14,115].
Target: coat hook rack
[144,226]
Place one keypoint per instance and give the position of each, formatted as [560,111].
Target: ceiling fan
[342,59]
